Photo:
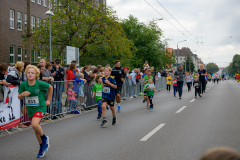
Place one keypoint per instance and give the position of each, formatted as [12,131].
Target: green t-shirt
[150,91]
[97,88]
[36,100]
[146,79]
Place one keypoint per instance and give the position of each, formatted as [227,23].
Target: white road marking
[150,134]
[180,110]
[192,100]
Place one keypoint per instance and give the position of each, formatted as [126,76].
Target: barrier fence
[60,105]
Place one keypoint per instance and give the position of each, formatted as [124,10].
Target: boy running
[168,79]
[174,86]
[150,87]
[108,95]
[196,85]
[145,81]
[97,93]
[34,93]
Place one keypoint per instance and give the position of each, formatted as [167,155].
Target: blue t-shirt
[201,72]
[108,92]
[143,75]
[76,84]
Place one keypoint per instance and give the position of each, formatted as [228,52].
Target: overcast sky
[215,24]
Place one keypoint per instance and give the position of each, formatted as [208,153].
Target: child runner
[196,85]
[108,95]
[145,81]
[168,79]
[188,80]
[97,93]
[34,93]
[71,98]
[174,86]
[150,92]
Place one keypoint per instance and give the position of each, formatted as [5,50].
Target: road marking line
[192,100]
[150,134]
[180,110]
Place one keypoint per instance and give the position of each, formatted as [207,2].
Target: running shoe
[119,108]
[180,97]
[114,121]
[99,116]
[77,112]
[45,144]
[104,123]
[89,109]
[200,95]
[40,153]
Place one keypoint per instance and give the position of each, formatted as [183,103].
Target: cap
[77,76]
[58,60]
[125,68]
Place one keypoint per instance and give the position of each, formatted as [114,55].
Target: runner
[202,73]
[150,87]
[180,74]
[223,77]
[168,80]
[97,93]
[145,81]
[34,93]
[188,81]
[174,86]
[108,95]
[119,76]
[196,85]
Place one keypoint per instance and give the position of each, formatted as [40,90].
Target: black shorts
[150,97]
[109,102]
[119,89]
[145,93]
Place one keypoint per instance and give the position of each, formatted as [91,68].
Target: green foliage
[95,30]
[212,68]
[192,66]
[233,68]
[147,39]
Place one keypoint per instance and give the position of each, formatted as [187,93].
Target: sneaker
[40,153]
[104,123]
[200,95]
[45,144]
[119,108]
[131,97]
[77,112]
[114,121]
[180,97]
[99,116]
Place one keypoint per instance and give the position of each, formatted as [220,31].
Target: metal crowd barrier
[61,106]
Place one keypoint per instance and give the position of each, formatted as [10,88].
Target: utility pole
[28,31]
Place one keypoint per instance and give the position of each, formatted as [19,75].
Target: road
[175,130]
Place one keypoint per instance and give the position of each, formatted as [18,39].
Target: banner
[10,108]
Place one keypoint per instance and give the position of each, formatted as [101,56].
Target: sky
[212,27]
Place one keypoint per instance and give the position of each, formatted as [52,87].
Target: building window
[11,19]
[33,22]
[39,2]
[33,55]
[25,21]
[50,5]
[180,58]
[19,21]
[44,3]
[38,22]
[11,54]
[19,54]
[33,1]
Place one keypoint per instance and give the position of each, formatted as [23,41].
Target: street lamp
[177,50]
[50,13]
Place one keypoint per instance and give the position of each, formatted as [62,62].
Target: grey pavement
[210,121]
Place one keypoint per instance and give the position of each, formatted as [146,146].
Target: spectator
[221,153]
[81,92]
[146,65]
[93,74]
[154,75]
[77,85]
[26,63]
[15,73]
[85,72]
[70,73]
[41,69]
[132,82]
[58,74]
[76,70]
[71,97]
[99,68]
[3,82]
[47,75]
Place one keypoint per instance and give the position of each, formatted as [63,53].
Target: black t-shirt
[118,73]
[2,76]
[201,72]
[196,83]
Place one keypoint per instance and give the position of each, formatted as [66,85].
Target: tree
[192,66]
[234,66]
[147,39]
[212,68]
[93,29]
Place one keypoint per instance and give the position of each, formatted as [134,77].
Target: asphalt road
[174,130]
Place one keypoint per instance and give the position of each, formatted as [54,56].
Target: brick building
[13,24]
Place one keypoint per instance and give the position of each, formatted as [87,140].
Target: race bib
[99,93]
[169,80]
[106,89]
[196,84]
[32,101]
[174,82]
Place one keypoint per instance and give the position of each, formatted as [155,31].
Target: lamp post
[50,13]
[177,50]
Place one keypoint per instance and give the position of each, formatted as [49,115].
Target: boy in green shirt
[97,92]
[145,81]
[34,93]
[150,87]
